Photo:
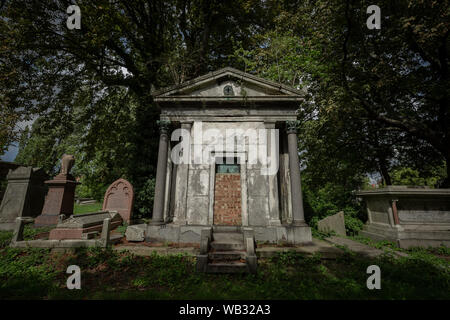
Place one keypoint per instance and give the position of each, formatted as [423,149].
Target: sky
[11,154]
[13,149]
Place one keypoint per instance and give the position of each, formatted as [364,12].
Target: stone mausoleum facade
[228,158]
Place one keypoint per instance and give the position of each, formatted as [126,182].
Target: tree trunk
[384,172]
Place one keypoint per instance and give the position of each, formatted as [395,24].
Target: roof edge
[231,70]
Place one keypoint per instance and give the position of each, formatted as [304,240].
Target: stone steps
[228,267]
[222,229]
[228,237]
[227,252]
[227,246]
[226,255]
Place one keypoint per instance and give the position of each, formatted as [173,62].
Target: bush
[352,224]
[412,177]
[328,201]
[144,195]
[91,190]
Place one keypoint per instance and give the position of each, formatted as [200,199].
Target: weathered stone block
[334,223]
[24,195]
[136,233]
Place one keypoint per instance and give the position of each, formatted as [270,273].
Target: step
[227,228]
[228,237]
[230,267]
[226,255]
[227,246]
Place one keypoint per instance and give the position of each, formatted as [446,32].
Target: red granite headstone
[119,197]
[60,196]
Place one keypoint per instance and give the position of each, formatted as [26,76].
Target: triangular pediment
[230,84]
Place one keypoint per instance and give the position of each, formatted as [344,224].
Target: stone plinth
[79,226]
[409,216]
[192,234]
[59,200]
[24,195]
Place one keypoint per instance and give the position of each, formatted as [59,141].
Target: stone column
[274,213]
[161,169]
[294,167]
[182,182]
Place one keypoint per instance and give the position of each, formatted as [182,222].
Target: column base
[156,223]
[275,222]
[299,223]
[180,222]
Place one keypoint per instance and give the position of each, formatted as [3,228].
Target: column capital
[269,124]
[291,126]
[186,124]
[163,126]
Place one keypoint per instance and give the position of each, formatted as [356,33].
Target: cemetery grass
[85,208]
[108,274]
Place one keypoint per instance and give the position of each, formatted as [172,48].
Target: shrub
[91,190]
[144,195]
[328,201]
[352,224]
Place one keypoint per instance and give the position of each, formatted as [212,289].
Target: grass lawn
[108,274]
[85,208]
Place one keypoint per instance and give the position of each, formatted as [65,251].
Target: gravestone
[83,226]
[334,223]
[24,195]
[5,167]
[60,196]
[119,197]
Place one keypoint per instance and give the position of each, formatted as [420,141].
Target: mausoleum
[228,159]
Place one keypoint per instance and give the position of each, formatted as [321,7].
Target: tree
[91,89]
[399,75]
[384,91]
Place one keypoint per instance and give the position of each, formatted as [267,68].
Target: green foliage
[29,231]
[110,274]
[25,273]
[123,228]
[352,223]
[412,177]
[144,198]
[5,238]
[329,200]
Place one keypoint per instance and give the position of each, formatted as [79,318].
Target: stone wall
[255,187]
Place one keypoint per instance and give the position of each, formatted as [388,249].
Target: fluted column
[294,168]
[161,172]
[182,180]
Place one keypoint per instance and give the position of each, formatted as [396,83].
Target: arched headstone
[119,197]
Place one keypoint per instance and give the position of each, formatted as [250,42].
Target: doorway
[227,193]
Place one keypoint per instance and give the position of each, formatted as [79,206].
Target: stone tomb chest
[407,215]
[84,226]
[228,158]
